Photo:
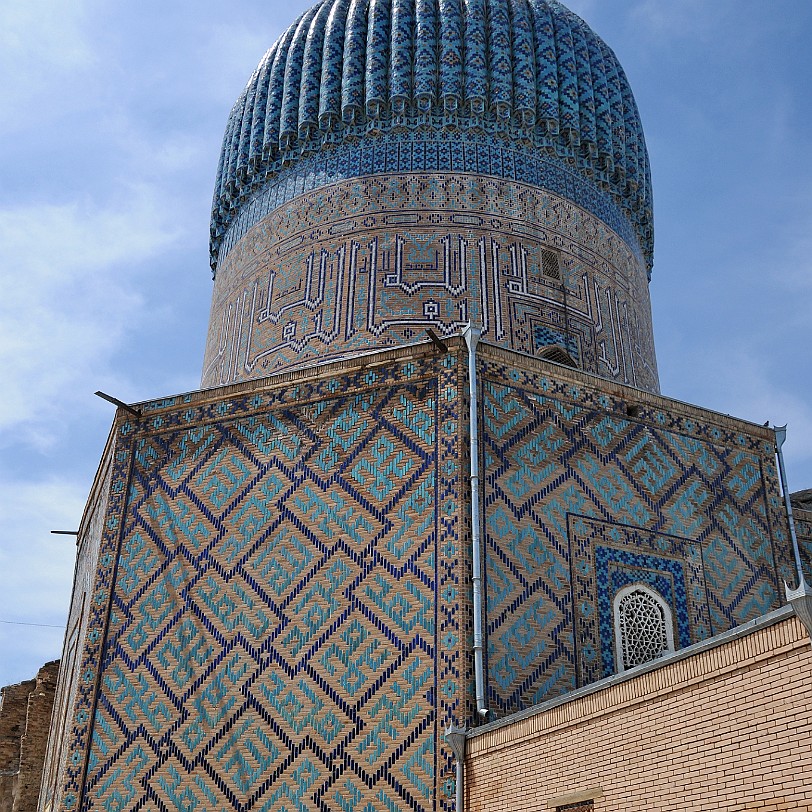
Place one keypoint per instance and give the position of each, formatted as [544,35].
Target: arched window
[644,629]
[558,355]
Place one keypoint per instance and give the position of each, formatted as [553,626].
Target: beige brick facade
[87,559]
[726,727]
[371,263]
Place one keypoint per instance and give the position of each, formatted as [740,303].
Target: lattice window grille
[550,263]
[644,629]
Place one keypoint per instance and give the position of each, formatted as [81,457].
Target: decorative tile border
[174,475]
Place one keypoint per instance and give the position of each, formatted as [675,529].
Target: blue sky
[112,116]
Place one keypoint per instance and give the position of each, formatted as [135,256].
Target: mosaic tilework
[605,557]
[403,153]
[580,499]
[72,671]
[282,570]
[96,611]
[547,337]
[803,530]
[372,263]
[531,75]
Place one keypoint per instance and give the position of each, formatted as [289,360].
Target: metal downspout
[471,335]
[780,438]
[455,736]
[459,799]
[800,598]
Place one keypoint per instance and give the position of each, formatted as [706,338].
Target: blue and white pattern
[475,155]
[582,499]
[277,615]
[529,75]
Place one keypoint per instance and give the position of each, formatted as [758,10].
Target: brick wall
[35,739]
[589,487]
[69,684]
[369,263]
[275,616]
[25,717]
[12,725]
[726,728]
[290,555]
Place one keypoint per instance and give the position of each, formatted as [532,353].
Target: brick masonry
[273,593]
[25,717]
[277,608]
[73,682]
[803,529]
[12,727]
[724,730]
[372,262]
[271,608]
[391,168]
[590,487]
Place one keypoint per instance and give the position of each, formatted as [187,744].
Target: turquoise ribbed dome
[529,73]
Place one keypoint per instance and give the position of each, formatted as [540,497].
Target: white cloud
[30,510]
[154,150]
[37,571]
[43,32]
[753,383]
[67,299]
[43,44]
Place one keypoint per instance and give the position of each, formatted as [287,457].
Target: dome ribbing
[526,72]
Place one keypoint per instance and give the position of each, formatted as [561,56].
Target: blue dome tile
[527,74]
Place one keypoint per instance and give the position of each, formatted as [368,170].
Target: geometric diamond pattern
[581,499]
[803,528]
[281,616]
[276,639]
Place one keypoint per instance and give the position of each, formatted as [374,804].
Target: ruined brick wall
[12,726]
[35,738]
[25,718]
[726,729]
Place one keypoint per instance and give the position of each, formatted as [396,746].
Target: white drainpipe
[471,335]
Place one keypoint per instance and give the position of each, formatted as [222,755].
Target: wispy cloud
[753,378]
[43,43]
[44,32]
[37,569]
[756,384]
[67,298]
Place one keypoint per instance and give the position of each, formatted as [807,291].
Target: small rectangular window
[578,801]
[550,264]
